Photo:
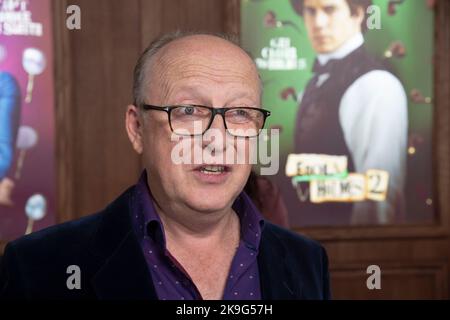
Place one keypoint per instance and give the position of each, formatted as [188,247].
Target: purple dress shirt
[170,280]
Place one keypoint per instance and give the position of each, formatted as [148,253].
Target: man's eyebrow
[329,7]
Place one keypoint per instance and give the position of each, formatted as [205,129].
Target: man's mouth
[213,169]
[212,173]
[320,38]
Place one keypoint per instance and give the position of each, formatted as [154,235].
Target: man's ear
[360,15]
[134,127]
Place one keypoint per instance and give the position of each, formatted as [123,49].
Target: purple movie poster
[27,157]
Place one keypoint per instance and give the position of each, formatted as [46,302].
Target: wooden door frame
[65,154]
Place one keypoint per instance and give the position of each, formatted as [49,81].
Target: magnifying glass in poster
[27,138]
[35,209]
[34,63]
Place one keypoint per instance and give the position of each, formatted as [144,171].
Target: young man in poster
[352,106]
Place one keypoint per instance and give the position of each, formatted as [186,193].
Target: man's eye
[310,11]
[188,110]
[240,114]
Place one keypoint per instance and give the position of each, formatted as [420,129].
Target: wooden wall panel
[398,281]
[99,161]
[160,16]
[108,47]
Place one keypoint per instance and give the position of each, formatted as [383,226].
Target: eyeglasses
[193,120]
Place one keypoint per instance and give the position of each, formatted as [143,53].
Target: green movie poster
[350,87]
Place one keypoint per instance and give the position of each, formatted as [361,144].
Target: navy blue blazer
[112,264]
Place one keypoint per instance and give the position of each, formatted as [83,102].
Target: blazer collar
[275,277]
[123,273]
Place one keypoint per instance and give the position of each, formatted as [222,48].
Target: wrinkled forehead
[203,60]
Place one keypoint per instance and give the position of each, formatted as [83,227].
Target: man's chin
[324,48]
[210,203]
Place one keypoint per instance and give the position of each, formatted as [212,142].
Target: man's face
[330,23]
[197,70]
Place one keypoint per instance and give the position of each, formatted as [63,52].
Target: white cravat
[349,46]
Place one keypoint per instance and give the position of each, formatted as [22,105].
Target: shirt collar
[146,221]
[349,46]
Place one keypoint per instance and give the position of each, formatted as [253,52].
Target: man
[185,231]
[352,106]
[9,124]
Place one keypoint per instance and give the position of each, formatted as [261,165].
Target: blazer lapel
[123,273]
[275,277]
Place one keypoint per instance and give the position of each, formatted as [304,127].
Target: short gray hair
[140,70]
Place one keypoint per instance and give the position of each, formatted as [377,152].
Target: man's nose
[215,136]
[320,19]
[218,123]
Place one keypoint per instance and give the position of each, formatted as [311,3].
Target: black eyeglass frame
[214,112]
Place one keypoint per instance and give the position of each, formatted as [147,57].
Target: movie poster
[350,88]
[27,161]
